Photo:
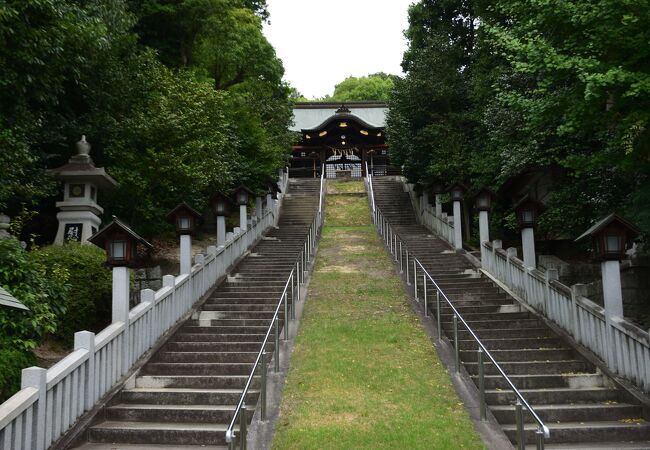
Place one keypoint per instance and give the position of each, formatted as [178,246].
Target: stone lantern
[221,205]
[242,193]
[184,218]
[79,211]
[483,200]
[457,191]
[610,237]
[527,211]
[121,245]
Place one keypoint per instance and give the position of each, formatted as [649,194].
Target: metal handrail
[370,188]
[543,432]
[296,276]
[320,198]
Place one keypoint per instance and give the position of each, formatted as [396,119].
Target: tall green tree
[376,86]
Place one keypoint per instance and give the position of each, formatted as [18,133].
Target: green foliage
[376,86]
[560,87]
[41,289]
[12,361]
[88,301]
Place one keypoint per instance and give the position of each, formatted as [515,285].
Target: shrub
[88,301]
[12,361]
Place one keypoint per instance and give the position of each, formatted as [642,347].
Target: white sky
[322,42]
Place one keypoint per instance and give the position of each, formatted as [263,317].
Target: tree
[376,86]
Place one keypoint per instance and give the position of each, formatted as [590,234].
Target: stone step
[158,433]
[534,381]
[522,355]
[496,323]
[194,381]
[552,396]
[264,307]
[203,346]
[239,322]
[619,445]
[533,367]
[585,431]
[186,396]
[123,446]
[216,368]
[209,338]
[505,414]
[521,343]
[237,329]
[205,357]
[505,333]
[172,413]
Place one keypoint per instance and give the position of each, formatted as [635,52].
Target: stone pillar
[269,202]
[458,227]
[120,306]
[242,217]
[186,253]
[438,205]
[258,207]
[528,246]
[484,226]
[221,230]
[425,200]
[612,293]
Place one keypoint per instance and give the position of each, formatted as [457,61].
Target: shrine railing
[51,400]
[621,345]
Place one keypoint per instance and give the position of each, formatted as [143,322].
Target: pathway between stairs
[364,374]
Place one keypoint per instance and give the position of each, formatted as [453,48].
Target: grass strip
[363,374]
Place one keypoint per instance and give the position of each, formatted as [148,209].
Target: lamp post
[527,210]
[120,243]
[221,205]
[184,218]
[438,189]
[610,237]
[314,156]
[241,195]
[484,205]
[457,191]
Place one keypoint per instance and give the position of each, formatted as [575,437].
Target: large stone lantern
[184,218]
[79,212]
[242,193]
[457,191]
[221,204]
[527,211]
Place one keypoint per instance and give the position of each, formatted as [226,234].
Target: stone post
[425,200]
[221,230]
[458,228]
[484,227]
[438,205]
[528,246]
[242,217]
[186,253]
[612,292]
[258,207]
[120,309]
[269,201]
[36,377]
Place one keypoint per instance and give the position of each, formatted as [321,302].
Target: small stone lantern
[121,244]
[483,200]
[242,194]
[79,211]
[611,236]
[221,205]
[184,218]
[527,211]
[457,191]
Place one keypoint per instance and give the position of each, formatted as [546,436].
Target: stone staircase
[582,407]
[187,393]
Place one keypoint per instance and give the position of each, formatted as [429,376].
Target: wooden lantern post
[120,243]
[527,211]
[221,205]
[242,193]
[438,189]
[184,218]
[611,236]
[457,192]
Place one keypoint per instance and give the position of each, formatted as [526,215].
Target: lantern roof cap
[99,238]
[458,184]
[271,183]
[527,199]
[245,188]
[81,167]
[6,299]
[220,196]
[613,218]
[182,206]
[485,190]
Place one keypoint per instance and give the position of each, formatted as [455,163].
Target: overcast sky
[322,42]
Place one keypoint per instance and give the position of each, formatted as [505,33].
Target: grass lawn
[364,375]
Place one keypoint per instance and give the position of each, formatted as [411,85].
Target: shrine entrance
[343,143]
